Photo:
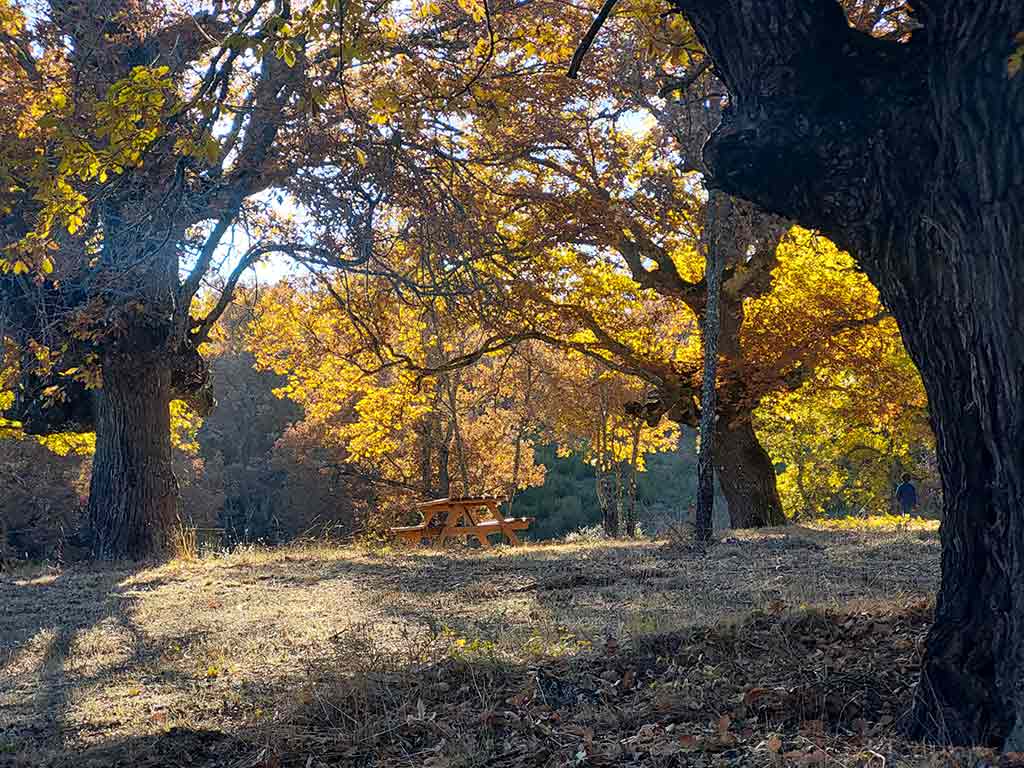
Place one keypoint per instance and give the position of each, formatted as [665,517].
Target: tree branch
[191,284]
[588,39]
[675,84]
[787,141]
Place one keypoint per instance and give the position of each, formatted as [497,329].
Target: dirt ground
[648,653]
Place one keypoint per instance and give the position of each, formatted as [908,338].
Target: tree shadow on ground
[42,619]
[653,587]
[418,592]
[831,683]
[45,616]
[176,748]
[426,572]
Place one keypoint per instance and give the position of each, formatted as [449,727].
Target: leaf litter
[805,688]
[775,648]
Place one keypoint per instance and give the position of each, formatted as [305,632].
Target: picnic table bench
[452,518]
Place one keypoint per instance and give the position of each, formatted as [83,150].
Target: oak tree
[906,149]
[145,151]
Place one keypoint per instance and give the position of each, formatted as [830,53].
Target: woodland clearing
[276,270]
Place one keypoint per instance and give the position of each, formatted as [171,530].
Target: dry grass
[128,655]
[887,523]
[184,542]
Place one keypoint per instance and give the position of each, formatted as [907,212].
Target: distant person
[906,495]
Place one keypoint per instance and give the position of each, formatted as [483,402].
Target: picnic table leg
[495,513]
[427,534]
[448,524]
[474,520]
[461,517]
[492,509]
[446,534]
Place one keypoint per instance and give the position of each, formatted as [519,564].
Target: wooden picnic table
[453,518]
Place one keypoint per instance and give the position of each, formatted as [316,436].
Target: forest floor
[789,646]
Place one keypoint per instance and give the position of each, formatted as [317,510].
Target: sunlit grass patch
[887,523]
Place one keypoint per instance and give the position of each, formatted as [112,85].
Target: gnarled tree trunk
[710,327]
[746,240]
[911,156]
[745,470]
[133,493]
[747,475]
[968,690]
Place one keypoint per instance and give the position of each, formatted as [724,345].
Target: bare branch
[588,39]
[675,84]
[191,284]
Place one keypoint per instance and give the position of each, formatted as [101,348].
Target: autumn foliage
[490,257]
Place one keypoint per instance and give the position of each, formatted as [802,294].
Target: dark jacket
[906,495]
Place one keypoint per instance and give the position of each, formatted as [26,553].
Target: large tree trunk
[747,476]
[133,494]
[3,543]
[971,669]
[911,155]
[745,470]
[710,330]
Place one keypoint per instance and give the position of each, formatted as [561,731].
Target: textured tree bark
[133,492]
[745,470]
[521,436]
[710,327]
[911,155]
[3,544]
[747,476]
[444,452]
[607,500]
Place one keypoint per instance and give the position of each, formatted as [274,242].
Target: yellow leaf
[20,267]
[1015,62]
[361,157]
[47,265]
